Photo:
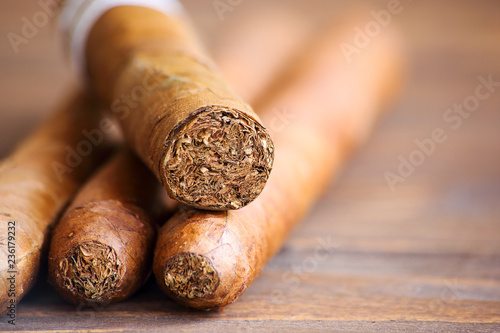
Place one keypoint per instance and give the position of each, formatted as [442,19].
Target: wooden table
[423,257]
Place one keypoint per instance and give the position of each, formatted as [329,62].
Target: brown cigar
[205,145]
[36,182]
[206,260]
[101,250]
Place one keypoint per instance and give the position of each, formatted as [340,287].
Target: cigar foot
[218,159]
[190,275]
[91,271]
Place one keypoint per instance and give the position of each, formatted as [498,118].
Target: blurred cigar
[206,260]
[253,45]
[36,182]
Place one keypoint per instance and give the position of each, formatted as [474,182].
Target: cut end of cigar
[91,271]
[190,275]
[220,159]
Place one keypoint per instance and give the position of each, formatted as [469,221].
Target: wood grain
[422,258]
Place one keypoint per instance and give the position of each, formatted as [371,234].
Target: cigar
[36,182]
[101,250]
[205,145]
[206,260]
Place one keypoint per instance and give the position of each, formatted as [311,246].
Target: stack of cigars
[238,178]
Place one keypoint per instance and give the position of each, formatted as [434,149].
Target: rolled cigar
[206,260]
[36,182]
[101,250]
[205,145]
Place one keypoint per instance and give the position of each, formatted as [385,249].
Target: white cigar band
[77,18]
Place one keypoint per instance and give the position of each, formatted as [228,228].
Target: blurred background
[408,244]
